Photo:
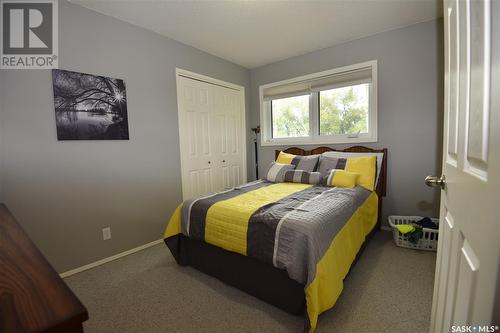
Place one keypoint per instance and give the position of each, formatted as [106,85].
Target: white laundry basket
[427,242]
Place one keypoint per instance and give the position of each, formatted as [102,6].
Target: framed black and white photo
[89,107]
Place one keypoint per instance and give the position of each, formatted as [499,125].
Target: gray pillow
[306,163]
[326,164]
[301,176]
[276,173]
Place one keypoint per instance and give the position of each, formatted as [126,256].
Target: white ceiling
[256,33]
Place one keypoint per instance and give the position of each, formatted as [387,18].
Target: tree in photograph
[89,107]
[83,92]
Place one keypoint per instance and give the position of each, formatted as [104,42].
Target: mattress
[311,232]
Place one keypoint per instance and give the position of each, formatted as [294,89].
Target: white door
[211,119]
[196,138]
[469,246]
[228,132]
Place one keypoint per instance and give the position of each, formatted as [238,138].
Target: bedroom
[94,184]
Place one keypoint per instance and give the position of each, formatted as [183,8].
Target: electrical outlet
[106,233]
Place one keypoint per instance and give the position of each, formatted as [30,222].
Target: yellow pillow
[285,158]
[342,178]
[366,166]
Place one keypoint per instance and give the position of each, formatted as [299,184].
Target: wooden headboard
[382,181]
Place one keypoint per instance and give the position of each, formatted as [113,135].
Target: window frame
[314,137]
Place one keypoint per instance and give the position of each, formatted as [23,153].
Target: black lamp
[256,131]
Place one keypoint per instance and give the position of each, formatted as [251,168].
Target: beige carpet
[388,290]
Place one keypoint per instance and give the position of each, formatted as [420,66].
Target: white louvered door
[211,125]
[467,268]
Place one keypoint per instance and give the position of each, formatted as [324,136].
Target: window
[336,106]
[290,117]
[344,110]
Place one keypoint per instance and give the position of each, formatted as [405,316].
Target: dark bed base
[250,275]
[255,277]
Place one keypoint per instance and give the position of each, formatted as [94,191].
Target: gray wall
[64,193]
[410,106]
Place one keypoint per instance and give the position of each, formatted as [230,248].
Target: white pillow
[341,154]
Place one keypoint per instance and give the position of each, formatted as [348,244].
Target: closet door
[227,120]
[212,141]
[195,103]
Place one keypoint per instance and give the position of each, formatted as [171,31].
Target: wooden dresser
[33,298]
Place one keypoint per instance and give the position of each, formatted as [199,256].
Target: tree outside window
[344,110]
[290,117]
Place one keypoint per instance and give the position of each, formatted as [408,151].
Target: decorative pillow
[327,164]
[277,171]
[342,178]
[367,169]
[306,163]
[301,176]
[342,154]
[365,166]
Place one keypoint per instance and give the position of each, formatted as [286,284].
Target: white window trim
[314,138]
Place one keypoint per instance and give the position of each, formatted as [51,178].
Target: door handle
[433,181]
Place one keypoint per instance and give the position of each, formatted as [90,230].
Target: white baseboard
[135,249]
[108,259]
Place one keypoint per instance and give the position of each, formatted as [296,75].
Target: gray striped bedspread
[292,233]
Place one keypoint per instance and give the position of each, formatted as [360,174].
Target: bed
[289,244]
